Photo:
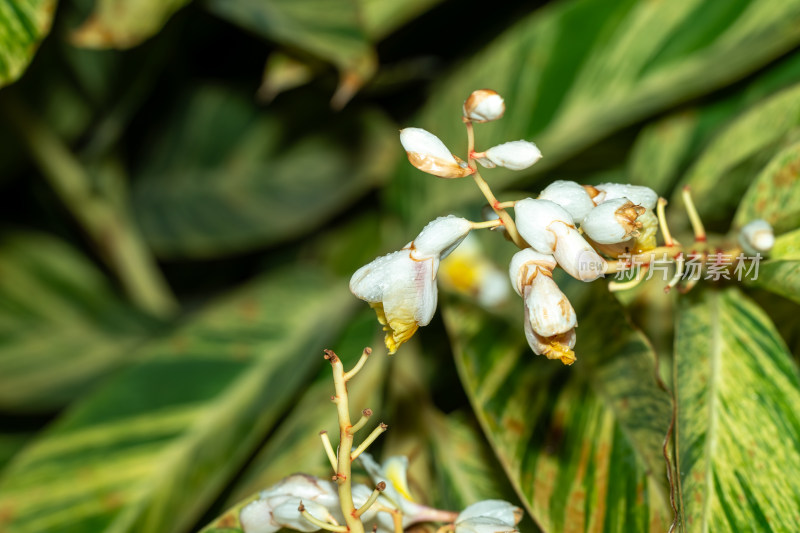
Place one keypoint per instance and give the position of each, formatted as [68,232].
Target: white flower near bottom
[489,516]
[401,286]
[613,221]
[549,229]
[549,319]
[277,507]
[638,194]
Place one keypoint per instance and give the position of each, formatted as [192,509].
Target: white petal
[424,142]
[549,309]
[305,487]
[638,194]
[498,509]
[523,264]
[370,281]
[602,224]
[757,237]
[484,105]
[481,524]
[569,195]
[288,515]
[514,155]
[533,218]
[575,255]
[542,345]
[440,237]
[256,517]
[410,291]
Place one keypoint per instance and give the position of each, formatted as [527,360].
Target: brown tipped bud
[429,154]
[323,432]
[613,221]
[384,426]
[381,486]
[301,507]
[367,412]
[484,105]
[368,350]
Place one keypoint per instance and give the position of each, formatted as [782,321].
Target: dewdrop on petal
[549,229]
[514,155]
[757,237]
[484,105]
[638,194]
[613,221]
[429,154]
[573,197]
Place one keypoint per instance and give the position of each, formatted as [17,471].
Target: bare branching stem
[371,500]
[369,440]
[694,217]
[365,414]
[363,359]
[326,443]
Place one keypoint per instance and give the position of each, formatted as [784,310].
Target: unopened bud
[484,105]
[638,194]
[571,196]
[514,155]
[613,221]
[527,264]
[429,154]
[548,309]
[440,237]
[757,237]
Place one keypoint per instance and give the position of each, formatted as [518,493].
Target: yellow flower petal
[398,329]
[395,470]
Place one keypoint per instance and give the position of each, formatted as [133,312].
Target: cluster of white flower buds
[283,505]
[573,226]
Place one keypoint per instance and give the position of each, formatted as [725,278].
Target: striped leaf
[738,395]
[327,29]
[380,18]
[775,194]
[61,325]
[124,23]
[23,25]
[154,446]
[223,178]
[577,70]
[721,175]
[581,445]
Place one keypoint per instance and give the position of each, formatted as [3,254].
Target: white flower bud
[440,237]
[613,221]
[514,155]
[497,509]
[429,154]
[757,237]
[548,228]
[638,194]
[569,195]
[524,265]
[484,105]
[555,347]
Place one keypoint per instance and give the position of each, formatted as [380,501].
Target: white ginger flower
[549,229]
[277,507]
[638,194]
[514,155]
[484,105]
[429,154]
[489,516]
[401,286]
[613,221]
[757,237]
[573,197]
[549,319]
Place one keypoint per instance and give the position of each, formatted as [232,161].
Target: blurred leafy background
[187,186]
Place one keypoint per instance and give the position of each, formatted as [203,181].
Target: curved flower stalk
[401,286]
[549,319]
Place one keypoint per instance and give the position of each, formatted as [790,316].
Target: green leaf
[124,23]
[737,394]
[578,70]
[721,175]
[295,445]
[23,25]
[781,274]
[153,447]
[224,178]
[775,194]
[581,445]
[328,29]
[61,325]
[381,17]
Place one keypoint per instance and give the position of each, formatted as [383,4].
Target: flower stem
[326,443]
[372,499]
[344,461]
[319,523]
[369,440]
[694,217]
